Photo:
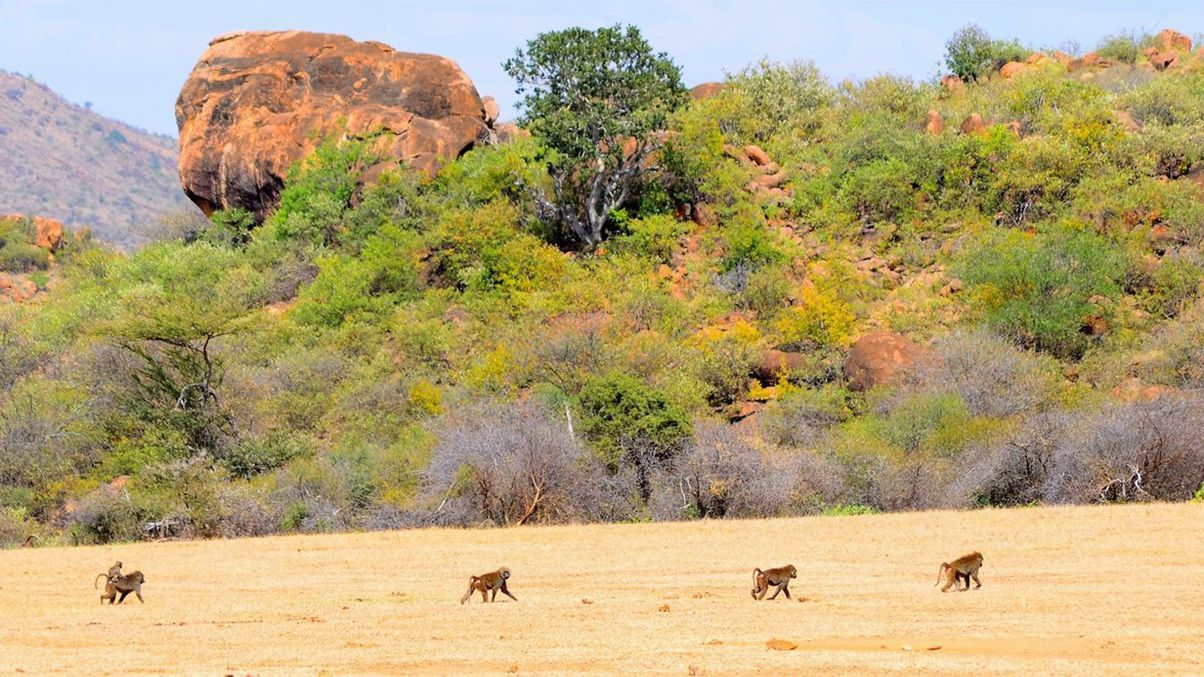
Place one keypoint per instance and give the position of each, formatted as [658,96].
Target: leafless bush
[1147,451]
[104,517]
[571,350]
[798,421]
[722,473]
[244,513]
[511,466]
[992,376]
[294,271]
[43,435]
[1012,470]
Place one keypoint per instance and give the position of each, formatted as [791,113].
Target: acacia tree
[595,99]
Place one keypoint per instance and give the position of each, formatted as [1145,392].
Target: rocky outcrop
[16,288]
[973,124]
[1171,40]
[706,90]
[878,357]
[933,123]
[257,102]
[47,233]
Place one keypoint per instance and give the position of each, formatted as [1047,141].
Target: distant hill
[61,160]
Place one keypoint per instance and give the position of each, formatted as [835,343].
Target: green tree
[595,99]
[971,54]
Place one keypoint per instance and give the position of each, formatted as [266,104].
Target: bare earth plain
[1099,590]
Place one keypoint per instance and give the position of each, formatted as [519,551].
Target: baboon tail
[940,572]
[97,579]
[471,581]
[756,573]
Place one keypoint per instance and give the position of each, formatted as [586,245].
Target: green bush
[1035,288]
[1122,47]
[971,54]
[22,257]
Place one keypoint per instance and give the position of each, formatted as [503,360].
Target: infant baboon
[490,582]
[961,569]
[779,577]
[113,574]
[131,582]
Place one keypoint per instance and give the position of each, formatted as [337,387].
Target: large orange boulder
[934,124]
[973,124]
[706,90]
[1011,69]
[878,357]
[258,101]
[1170,40]
[48,233]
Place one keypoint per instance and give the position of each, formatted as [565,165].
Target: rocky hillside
[64,161]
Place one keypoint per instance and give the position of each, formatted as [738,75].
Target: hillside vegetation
[69,163]
[555,331]
[656,599]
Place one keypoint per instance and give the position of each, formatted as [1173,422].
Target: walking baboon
[131,582]
[490,582]
[779,577]
[961,569]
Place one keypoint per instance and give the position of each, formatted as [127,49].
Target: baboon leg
[124,594]
[505,590]
[484,593]
[493,595]
[977,583]
[138,591]
[776,590]
[949,580]
[786,589]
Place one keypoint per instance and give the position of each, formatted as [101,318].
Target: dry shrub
[1146,451]
[512,465]
[1012,470]
[724,472]
[992,376]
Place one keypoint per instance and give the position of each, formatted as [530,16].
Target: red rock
[256,102]
[48,233]
[952,84]
[774,362]
[878,357]
[1011,69]
[771,180]
[706,90]
[1094,326]
[1091,58]
[508,131]
[492,110]
[1170,40]
[1126,119]
[17,288]
[1163,60]
[757,155]
[1062,57]
[973,124]
[704,215]
[934,124]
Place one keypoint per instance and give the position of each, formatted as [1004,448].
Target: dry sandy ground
[1101,590]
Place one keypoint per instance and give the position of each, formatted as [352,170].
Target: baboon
[29,541]
[113,574]
[779,577]
[490,582]
[961,569]
[131,582]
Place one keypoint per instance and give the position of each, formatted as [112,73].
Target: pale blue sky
[129,57]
